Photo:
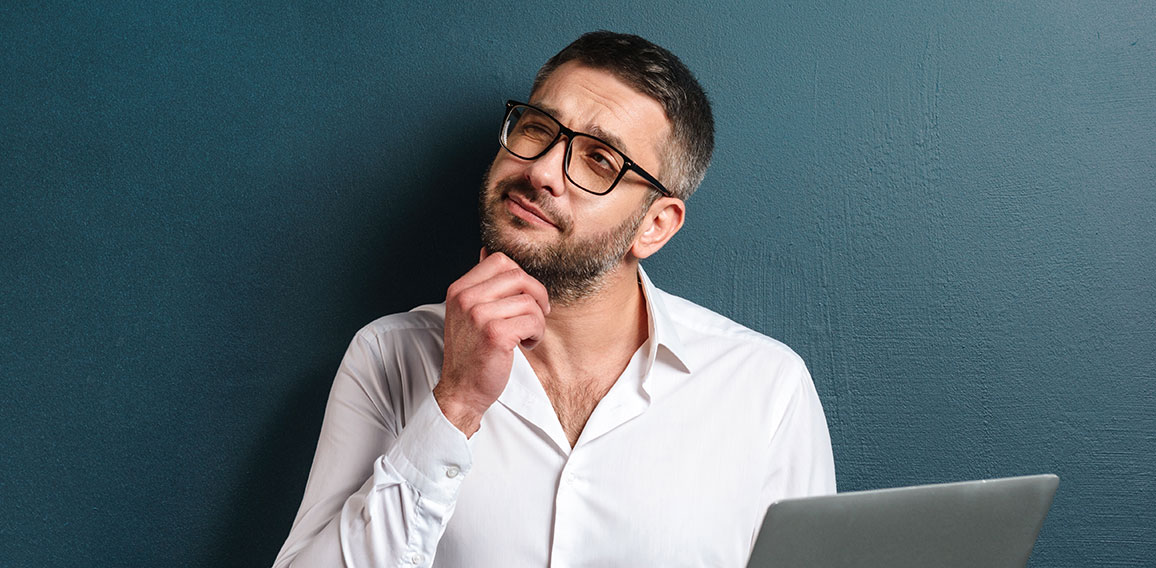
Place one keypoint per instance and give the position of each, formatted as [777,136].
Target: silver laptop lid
[992,523]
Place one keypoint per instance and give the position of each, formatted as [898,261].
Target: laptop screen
[989,523]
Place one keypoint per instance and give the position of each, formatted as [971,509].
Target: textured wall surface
[946,208]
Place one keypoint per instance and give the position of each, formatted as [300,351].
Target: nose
[546,172]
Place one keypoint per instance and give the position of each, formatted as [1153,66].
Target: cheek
[604,213]
[505,166]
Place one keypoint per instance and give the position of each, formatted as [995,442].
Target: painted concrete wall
[946,208]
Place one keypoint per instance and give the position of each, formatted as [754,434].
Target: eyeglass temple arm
[649,178]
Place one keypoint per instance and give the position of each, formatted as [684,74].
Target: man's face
[561,235]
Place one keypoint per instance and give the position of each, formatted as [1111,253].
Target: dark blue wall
[947,209]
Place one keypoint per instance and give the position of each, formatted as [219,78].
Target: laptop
[991,523]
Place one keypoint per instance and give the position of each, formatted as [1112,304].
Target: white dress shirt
[709,423]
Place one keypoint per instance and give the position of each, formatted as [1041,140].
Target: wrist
[464,415]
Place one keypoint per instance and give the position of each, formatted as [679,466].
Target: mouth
[526,211]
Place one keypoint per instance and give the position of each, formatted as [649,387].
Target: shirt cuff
[431,454]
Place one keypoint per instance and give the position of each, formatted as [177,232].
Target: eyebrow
[596,131]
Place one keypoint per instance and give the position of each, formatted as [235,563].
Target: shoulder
[414,328]
[408,343]
[709,337]
[421,318]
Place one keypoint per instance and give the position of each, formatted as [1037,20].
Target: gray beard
[571,270]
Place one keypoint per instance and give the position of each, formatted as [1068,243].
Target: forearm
[398,516]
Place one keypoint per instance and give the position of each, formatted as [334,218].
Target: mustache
[523,189]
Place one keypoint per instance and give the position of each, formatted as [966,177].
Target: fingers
[486,268]
[505,308]
[505,284]
[495,278]
[506,334]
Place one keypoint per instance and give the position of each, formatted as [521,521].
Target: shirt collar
[665,344]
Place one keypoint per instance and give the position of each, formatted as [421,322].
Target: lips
[527,211]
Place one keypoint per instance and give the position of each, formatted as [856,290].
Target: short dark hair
[660,75]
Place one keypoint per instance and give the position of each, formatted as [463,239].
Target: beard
[570,269]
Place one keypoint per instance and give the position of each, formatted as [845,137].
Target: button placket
[568,503]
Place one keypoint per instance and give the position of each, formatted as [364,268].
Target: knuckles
[500,259]
[477,314]
[454,288]
[493,333]
[464,301]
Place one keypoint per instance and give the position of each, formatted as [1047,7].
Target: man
[558,409]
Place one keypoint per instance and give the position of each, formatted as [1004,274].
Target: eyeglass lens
[590,164]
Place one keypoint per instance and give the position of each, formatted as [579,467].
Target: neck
[595,332]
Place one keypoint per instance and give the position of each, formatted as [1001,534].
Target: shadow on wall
[427,239]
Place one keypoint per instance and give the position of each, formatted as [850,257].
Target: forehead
[597,102]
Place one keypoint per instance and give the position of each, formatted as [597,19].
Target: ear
[663,220]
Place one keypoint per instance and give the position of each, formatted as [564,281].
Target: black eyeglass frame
[627,163]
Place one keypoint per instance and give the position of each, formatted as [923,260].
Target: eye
[535,129]
[601,162]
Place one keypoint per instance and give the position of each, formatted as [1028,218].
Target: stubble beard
[570,269]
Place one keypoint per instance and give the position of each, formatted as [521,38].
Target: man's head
[660,75]
[607,99]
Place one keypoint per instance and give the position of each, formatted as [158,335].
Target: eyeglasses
[590,163]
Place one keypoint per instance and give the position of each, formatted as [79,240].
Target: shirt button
[416,558]
[452,472]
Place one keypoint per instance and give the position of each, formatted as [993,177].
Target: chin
[519,245]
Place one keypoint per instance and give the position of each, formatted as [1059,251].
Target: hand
[490,310]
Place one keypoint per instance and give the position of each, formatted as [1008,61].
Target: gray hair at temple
[659,74]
